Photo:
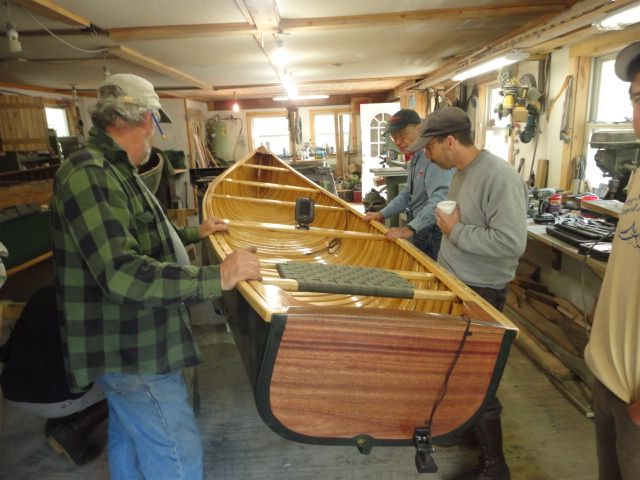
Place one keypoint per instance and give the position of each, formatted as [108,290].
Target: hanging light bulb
[236,106]
[280,55]
[12,36]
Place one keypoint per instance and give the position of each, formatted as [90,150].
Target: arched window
[378,142]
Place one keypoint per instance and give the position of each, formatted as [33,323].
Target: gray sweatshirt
[484,248]
[427,184]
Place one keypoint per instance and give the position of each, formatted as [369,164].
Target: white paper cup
[447,206]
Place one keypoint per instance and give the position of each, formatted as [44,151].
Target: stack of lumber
[553,334]
[204,158]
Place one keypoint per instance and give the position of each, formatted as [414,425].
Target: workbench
[394,178]
[538,233]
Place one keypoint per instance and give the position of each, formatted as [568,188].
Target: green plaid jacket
[121,294]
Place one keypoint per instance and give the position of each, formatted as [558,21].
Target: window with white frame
[57,119]
[379,145]
[325,127]
[497,130]
[271,131]
[609,110]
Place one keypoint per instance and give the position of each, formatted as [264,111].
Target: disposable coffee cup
[447,206]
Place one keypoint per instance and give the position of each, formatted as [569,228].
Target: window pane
[273,133]
[496,142]
[324,131]
[57,119]
[613,103]
[346,123]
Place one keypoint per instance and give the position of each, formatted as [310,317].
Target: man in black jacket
[34,380]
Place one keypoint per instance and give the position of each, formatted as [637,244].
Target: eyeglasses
[431,143]
[402,134]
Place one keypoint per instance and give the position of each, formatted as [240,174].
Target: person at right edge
[482,240]
[613,351]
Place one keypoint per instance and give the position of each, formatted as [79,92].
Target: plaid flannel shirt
[121,294]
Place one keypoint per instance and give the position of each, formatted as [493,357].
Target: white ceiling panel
[340,46]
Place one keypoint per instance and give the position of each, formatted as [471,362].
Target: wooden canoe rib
[341,368]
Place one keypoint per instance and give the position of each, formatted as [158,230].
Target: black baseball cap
[401,119]
[445,121]
[628,62]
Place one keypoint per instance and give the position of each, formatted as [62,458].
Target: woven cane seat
[346,279]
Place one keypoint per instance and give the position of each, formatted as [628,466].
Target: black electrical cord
[445,384]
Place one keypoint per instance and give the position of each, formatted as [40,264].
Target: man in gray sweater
[483,238]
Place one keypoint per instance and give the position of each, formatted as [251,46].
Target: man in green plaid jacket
[123,282]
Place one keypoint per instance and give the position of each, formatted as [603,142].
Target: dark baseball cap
[445,121]
[628,62]
[401,119]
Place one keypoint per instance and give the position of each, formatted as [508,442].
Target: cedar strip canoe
[338,368]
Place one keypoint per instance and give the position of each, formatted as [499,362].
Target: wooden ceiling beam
[182,31]
[528,37]
[444,14]
[264,14]
[263,18]
[49,9]
[137,58]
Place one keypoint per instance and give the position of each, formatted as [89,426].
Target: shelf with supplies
[539,233]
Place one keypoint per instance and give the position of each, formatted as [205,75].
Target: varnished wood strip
[325,232]
[269,201]
[274,186]
[265,167]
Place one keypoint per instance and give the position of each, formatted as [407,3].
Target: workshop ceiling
[213,49]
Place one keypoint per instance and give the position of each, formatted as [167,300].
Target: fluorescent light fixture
[490,65]
[620,19]
[12,36]
[300,97]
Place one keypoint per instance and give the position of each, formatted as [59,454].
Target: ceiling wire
[100,50]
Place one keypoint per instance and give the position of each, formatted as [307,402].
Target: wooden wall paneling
[580,67]
[23,124]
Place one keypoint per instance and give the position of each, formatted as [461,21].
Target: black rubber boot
[68,435]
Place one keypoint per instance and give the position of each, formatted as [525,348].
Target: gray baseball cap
[628,62]
[129,89]
[445,121]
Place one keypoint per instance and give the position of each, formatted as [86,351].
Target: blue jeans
[152,429]
[428,240]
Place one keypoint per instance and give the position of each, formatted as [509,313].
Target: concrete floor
[545,437]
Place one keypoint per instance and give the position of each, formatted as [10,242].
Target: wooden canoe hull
[359,370]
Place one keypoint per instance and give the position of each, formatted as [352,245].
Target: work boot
[488,432]
[492,466]
[68,435]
